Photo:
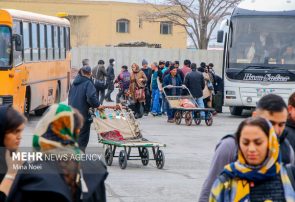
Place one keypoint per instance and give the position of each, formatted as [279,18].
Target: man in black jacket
[82,96]
[110,80]
[195,82]
[290,125]
[148,73]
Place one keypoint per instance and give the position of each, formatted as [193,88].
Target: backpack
[125,80]
[98,83]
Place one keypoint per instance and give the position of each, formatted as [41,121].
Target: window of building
[17,55]
[26,41]
[42,41]
[140,23]
[123,26]
[49,42]
[35,48]
[166,28]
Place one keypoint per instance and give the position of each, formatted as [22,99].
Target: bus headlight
[230,92]
[1,100]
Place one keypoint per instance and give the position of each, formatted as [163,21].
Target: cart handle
[178,87]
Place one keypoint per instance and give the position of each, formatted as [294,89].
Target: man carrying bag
[99,75]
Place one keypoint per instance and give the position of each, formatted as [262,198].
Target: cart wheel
[160,159]
[209,119]
[144,156]
[178,117]
[123,159]
[188,118]
[108,156]
[197,121]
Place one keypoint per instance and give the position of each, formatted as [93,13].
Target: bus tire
[27,103]
[40,112]
[236,111]
[57,93]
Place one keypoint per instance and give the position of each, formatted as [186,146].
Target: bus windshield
[267,41]
[5,46]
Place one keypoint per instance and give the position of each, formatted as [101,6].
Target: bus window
[49,42]
[5,46]
[26,41]
[17,55]
[67,39]
[35,49]
[42,42]
[56,46]
[62,43]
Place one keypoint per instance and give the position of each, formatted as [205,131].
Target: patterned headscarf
[56,129]
[237,188]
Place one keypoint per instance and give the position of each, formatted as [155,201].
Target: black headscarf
[3,121]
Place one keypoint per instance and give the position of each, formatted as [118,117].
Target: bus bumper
[249,96]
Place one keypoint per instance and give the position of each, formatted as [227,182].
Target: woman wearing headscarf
[12,124]
[258,174]
[136,91]
[66,179]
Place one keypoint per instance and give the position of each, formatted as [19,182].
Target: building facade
[102,23]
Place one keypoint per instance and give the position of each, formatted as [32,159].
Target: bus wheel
[40,112]
[57,94]
[27,103]
[236,111]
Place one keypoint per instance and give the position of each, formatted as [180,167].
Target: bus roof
[35,17]
[269,5]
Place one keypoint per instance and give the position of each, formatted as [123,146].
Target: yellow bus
[34,60]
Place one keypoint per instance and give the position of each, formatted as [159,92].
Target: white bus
[259,52]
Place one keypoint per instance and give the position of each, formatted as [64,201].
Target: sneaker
[154,113]
[145,113]
[109,100]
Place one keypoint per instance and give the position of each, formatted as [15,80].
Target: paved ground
[188,154]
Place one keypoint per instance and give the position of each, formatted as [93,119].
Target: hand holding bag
[210,85]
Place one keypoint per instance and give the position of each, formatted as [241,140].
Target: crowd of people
[144,86]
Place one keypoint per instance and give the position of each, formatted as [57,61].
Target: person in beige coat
[138,82]
[207,93]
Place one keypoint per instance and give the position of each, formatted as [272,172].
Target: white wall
[128,55]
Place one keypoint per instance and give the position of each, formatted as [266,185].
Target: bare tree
[198,17]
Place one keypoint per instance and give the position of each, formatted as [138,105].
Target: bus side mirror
[220,36]
[18,42]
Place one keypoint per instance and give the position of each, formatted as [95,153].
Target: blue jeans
[156,107]
[200,103]
[164,104]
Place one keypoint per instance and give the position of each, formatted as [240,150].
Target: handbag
[210,85]
[139,94]
[100,84]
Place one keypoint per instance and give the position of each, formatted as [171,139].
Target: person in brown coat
[138,82]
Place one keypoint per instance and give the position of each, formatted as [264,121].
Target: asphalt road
[188,154]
